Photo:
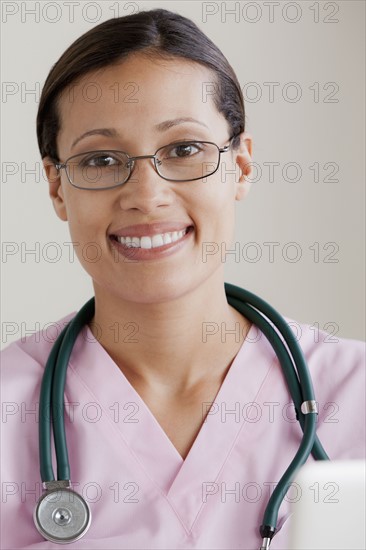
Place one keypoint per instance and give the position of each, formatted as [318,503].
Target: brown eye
[99,161]
[185,149]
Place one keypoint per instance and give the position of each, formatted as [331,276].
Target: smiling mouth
[153,241]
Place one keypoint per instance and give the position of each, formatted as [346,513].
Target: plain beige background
[301,66]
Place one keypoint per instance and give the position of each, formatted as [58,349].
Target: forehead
[138,92]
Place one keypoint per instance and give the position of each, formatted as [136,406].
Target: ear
[243,157]
[55,188]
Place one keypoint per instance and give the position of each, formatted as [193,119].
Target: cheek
[87,227]
[216,208]
[88,235]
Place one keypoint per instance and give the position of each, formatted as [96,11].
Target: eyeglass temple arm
[226,148]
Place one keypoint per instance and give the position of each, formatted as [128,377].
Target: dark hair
[159,33]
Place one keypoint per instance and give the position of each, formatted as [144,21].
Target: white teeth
[157,240]
[152,242]
[145,242]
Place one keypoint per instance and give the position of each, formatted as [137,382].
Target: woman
[174,428]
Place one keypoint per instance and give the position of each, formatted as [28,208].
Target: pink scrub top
[142,494]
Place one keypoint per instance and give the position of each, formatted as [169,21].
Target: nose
[145,190]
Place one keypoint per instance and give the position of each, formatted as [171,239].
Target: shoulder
[326,352]
[338,371]
[23,360]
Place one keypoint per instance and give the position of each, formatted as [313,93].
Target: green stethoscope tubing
[299,384]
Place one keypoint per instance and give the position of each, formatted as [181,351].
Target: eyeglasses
[179,161]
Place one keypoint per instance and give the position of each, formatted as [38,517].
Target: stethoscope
[63,516]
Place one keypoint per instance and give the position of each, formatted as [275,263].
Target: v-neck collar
[180,480]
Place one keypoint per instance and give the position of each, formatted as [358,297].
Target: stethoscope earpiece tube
[58,387]
[53,384]
[288,368]
[242,300]
[246,296]
[303,452]
[44,427]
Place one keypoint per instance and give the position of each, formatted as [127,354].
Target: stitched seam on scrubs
[91,393]
[271,365]
[115,429]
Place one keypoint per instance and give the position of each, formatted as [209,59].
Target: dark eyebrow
[161,127]
[109,132]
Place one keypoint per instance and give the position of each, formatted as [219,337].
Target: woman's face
[130,99]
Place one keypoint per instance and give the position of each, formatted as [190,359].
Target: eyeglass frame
[60,165]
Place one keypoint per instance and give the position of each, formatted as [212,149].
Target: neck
[174,344]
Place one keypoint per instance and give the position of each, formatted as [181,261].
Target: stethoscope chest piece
[62,516]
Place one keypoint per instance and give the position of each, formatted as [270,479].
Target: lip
[149,229]
[133,254]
